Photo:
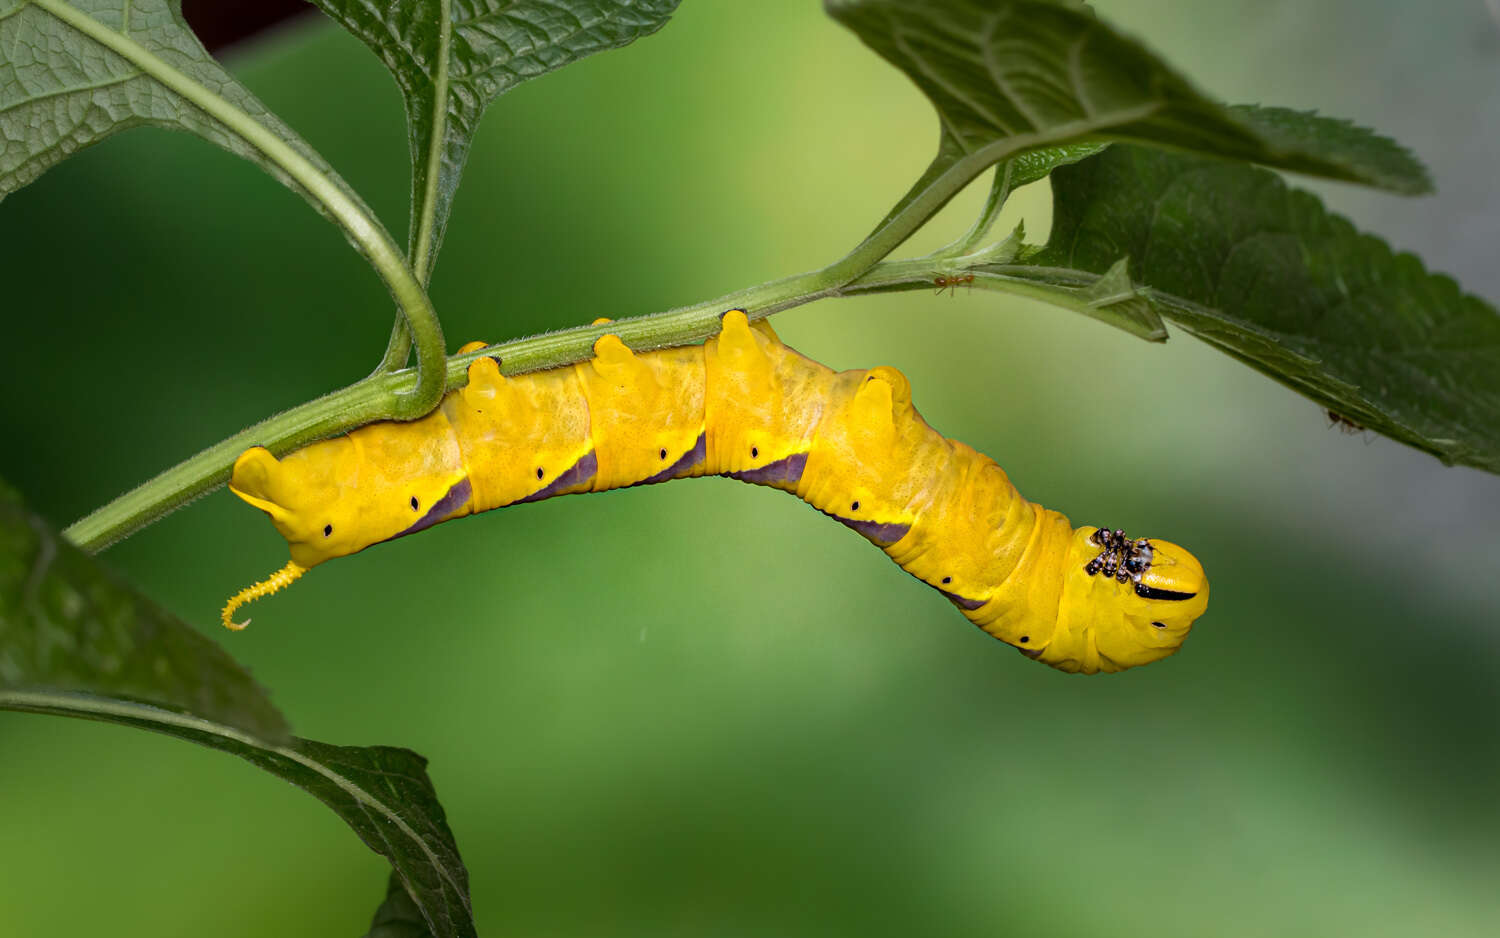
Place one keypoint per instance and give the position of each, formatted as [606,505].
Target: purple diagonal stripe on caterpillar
[963,602]
[783,471]
[881,533]
[455,499]
[692,459]
[580,472]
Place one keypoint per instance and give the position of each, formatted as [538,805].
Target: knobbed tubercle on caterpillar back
[746,406]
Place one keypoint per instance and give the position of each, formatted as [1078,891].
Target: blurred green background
[701,709]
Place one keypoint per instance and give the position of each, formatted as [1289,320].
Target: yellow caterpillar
[746,406]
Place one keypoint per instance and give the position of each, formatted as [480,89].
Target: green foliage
[1012,76]
[384,794]
[452,58]
[73,72]
[1032,89]
[1263,272]
[72,635]
[76,642]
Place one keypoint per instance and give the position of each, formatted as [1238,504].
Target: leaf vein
[72,89]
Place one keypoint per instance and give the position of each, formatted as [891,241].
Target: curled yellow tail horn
[281,579]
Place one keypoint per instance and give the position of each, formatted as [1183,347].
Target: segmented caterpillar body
[745,406]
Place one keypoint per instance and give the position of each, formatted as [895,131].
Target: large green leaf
[1265,273]
[73,72]
[1008,76]
[72,635]
[451,58]
[74,641]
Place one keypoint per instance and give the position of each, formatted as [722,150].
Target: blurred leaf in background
[757,725]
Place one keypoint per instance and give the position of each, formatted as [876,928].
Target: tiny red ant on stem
[951,284]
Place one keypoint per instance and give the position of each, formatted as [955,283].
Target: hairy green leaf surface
[72,634]
[76,642]
[1039,164]
[1265,273]
[73,72]
[1008,76]
[451,58]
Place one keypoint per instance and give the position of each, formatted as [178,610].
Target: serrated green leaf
[73,72]
[1039,164]
[1368,156]
[71,634]
[1265,273]
[451,58]
[1008,76]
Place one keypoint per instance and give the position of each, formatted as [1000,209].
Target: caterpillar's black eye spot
[1160,625]
[663,454]
[327,530]
[854,507]
[754,452]
[538,472]
[1025,639]
[414,503]
[947,580]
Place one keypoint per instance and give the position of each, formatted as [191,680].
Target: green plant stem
[366,233]
[375,397]
[366,400]
[424,209]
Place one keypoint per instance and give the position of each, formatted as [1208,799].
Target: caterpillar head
[1124,603]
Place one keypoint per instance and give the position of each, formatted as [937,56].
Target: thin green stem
[993,203]
[376,397]
[422,247]
[397,348]
[370,399]
[362,229]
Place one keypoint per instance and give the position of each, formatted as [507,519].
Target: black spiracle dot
[754,452]
[854,507]
[1025,639]
[1160,625]
[328,530]
[663,454]
[538,472]
[414,503]
[947,580]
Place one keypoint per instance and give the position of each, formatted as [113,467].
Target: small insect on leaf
[952,283]
[1345,425]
